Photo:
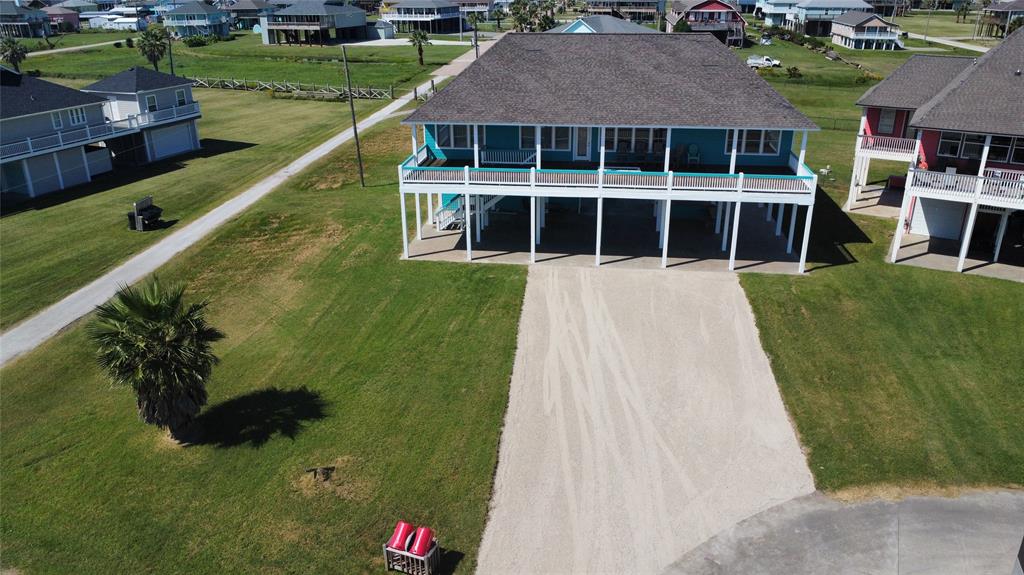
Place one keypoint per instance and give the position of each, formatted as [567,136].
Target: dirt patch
[890,492]
[341,482]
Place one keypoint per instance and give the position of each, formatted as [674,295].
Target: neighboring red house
[62,19]
[958,123]
[718,17]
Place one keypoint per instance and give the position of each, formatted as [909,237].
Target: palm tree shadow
[256,417]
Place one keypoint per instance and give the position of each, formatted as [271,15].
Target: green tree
[13,52]
[419,39]
[498,15]
[149,340]
[474,20]
[152,45]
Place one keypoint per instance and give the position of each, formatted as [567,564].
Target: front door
[581,148]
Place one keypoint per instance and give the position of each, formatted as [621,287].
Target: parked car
[763,62]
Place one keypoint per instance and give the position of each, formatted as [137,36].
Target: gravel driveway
[643,418]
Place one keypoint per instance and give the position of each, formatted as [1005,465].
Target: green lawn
[894,375]
[939,24]
[337,353]
[74,237]
[76,39]
[246,57]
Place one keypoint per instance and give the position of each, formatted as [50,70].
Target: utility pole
[170,53]
[931,11]
[352,109]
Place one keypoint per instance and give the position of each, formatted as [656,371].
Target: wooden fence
[296,88]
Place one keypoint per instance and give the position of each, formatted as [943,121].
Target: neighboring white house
[811,17]
[863,31]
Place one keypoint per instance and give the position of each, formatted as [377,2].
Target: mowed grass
[894,375]
[940,24]
[246,58]
[337,353]
[68,239]
[74,39]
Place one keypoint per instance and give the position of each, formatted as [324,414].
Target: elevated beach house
[811,17]
[314,22]
[431,16]
[21,22]
[245,14]
[718,17]
[863,31]
[635,10]
[197,19]
[562,135]
[958,123]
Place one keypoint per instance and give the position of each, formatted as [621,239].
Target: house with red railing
[720,18]
[564,135]
[958,123]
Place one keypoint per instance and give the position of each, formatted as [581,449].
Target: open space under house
[574,144]
[964,186]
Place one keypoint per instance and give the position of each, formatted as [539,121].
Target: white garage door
[938,218]
[170,141]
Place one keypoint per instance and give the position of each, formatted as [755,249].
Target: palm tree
[153,45]
[522,15]
[419,39]
[474,19]
[498,15]
[149,340]
[13,52]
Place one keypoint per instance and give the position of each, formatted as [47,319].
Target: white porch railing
[1005,190]
[157,116]
[395,16]
[803,184]
[514,157]
[888,144]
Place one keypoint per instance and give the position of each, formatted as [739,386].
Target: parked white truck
[763,62]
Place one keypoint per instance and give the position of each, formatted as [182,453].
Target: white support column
[405,227]
[803,148]
[415,145]
[668,149]
[601,161]
[807,239]
[732,156]
[735,235]
[851,196]
[466,202]
[536,141]
[600,217]
[725,229]
[965,240]
[419,226]
[533,229]
[60,173]
[778,219]
[85,164]
[1000,233]
[901,223]
[718,217]
[792,229]
[28,179]
[667,219]
[984,160]
[476,146]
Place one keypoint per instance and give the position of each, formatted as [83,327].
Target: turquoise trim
[636,172]
[568,171]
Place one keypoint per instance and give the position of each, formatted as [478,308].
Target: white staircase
[452,215]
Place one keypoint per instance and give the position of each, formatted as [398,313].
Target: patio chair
[692,155]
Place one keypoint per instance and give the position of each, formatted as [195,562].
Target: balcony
[620,182]
[403,17]
[997,188]
[887,148]
[166,115]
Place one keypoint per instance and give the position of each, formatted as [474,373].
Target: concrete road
[28,334]
[72,48]
[643,418]
[975,534]
[949,42]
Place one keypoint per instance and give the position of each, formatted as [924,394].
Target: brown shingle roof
[915,82]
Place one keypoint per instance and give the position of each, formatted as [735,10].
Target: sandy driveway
[643,419]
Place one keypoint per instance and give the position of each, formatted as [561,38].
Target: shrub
[194,41]
[117,44]
[867,77]
[129,42]
[794,72]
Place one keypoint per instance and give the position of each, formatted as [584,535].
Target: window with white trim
[999,150]
[151,103]
[886,121]
[639,140]
[950,144]
[552,138]
[755,142]
[77,116]
[56,121]
[974,145]
[179,96]
[1017,157]
[454,136]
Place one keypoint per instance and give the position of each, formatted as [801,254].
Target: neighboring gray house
[21,22]
[433,16]
[863,31]
[246,13]
[601,25]
[197,19]
[48,136]
[162,108]
[314,22]
[814,17]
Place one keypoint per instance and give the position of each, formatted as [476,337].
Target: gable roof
[9,8]
[137,79]
[195,8]
[250,5]
[985,97]
[605,25]
[317,8]
[856,18]
[1015,6]
[611,80]
[683,6]
[22,95]
[848,4]
[915,82]
[58,10]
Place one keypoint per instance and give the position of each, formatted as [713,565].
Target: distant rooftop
[604,25]
[915,82]
[137,79]
[22,95]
